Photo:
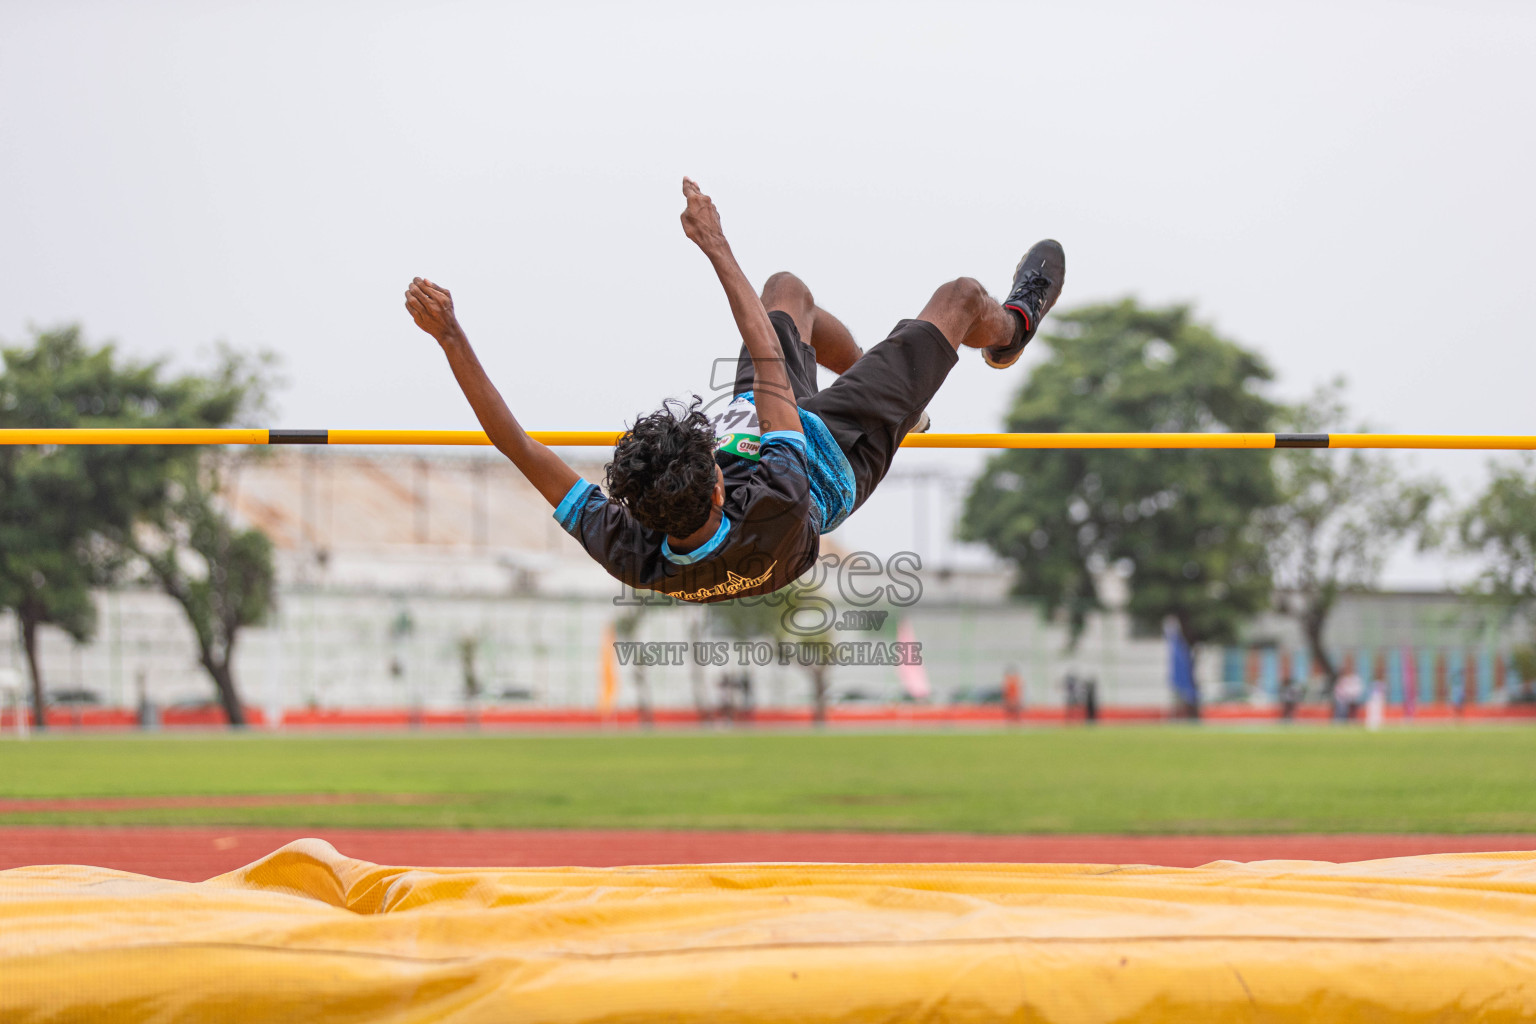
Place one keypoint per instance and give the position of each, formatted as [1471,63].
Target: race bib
[736,429]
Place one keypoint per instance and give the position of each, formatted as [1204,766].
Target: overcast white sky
[1346,186]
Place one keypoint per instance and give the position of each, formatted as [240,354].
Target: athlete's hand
[432,309]
[701,221]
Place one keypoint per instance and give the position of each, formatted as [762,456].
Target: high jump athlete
[708,511]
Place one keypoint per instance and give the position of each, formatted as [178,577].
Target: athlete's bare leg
[962,311]
[834,344]
[968,316]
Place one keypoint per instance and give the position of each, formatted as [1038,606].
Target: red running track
[193,854]
[95,719]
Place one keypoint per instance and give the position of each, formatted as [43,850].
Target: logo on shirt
[748,446]
[737,431]
[734,584]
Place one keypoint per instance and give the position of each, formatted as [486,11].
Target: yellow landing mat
[307,934]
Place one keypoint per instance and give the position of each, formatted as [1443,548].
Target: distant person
[1013,693]
[1090,699]
[1289,698]
[1348,692]
[735,695]
[748,701]
[708,512]
[1072,694]
[147,714]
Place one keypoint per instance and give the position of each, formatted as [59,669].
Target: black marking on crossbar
[298,437]
[1301,440]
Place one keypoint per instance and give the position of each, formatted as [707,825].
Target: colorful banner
[914,678]
[608,676]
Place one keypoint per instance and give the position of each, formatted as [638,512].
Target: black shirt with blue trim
[833,488]
[769,531]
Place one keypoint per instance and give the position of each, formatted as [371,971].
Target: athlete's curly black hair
[663,468]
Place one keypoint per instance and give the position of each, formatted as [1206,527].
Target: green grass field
[1126,780]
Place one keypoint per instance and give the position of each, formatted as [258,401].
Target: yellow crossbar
[606,438]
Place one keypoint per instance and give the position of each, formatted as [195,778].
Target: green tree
[741,619]
[46,579]
[1340,516]
[60,506]
[809,619]
[787,616]
[221,575]
[1500,528]
[1178,526]
[627,627]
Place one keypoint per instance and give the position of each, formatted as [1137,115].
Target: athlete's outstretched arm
[432,309]
[771,390]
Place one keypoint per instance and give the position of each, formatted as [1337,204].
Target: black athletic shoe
[1036,286]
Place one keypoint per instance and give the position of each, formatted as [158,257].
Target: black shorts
[870,408]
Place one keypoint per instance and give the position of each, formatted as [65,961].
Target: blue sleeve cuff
[791,436]
[569,510]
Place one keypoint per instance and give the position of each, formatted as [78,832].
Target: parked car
[515,694]
[77,697]
[855,697]
[977,695]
